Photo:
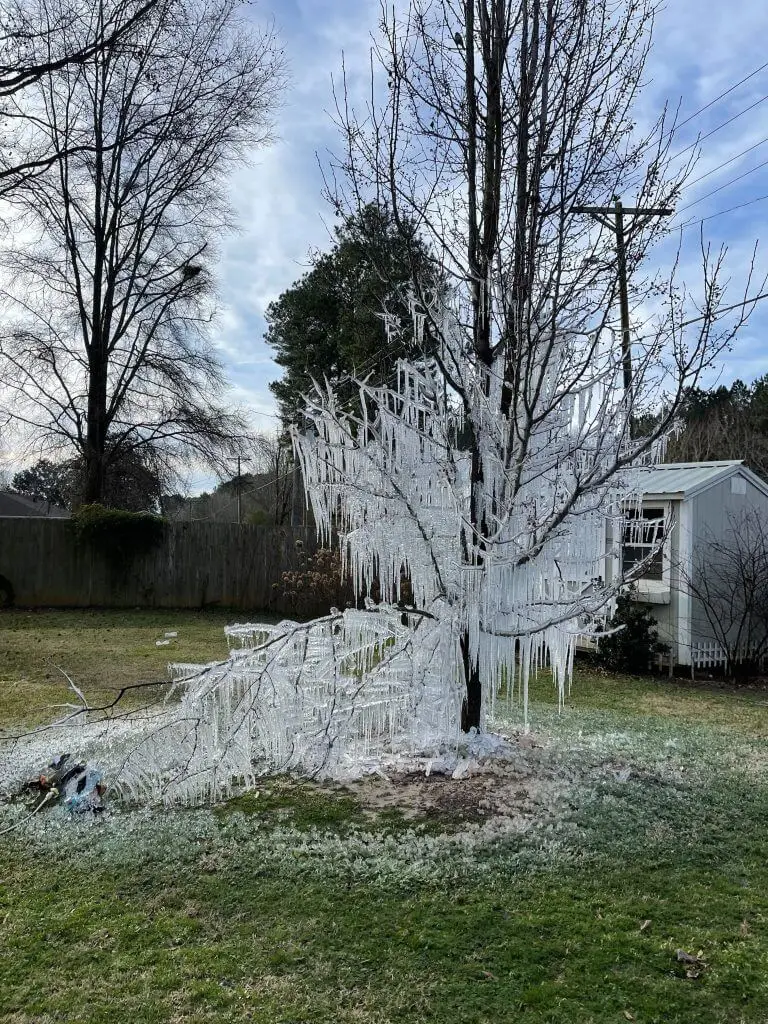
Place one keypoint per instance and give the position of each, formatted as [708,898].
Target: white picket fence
[709,654]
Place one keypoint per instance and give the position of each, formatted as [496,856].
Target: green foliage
[117,535]
[45,481]
[130,482]
[258,518]
[634,645]
[724,423]
[328,323]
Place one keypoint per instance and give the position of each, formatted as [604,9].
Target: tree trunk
[470,709]
[96,437]
[94,477]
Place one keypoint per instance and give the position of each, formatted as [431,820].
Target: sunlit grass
[100,650]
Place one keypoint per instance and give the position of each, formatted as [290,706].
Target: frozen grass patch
[553,888]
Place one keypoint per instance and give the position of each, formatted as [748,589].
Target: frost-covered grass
[303,905]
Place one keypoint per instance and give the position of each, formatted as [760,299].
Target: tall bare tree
[109,351]
[488,122]
[32,46]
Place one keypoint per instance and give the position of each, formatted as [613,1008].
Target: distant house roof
[20,505]
[685,479]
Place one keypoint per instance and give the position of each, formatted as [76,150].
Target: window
[643,531]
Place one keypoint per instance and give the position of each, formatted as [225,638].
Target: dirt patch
[485,794]
[518,788]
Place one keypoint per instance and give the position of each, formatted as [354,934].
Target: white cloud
[697,54]
[279,198]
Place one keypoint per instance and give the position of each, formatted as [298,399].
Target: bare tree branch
[111,348]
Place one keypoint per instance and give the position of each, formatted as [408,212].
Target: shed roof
[16,505]
[685,479]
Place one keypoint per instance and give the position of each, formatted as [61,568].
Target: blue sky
[700,50]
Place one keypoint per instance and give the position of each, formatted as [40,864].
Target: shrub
[636,643]
[316,585]
[117,535]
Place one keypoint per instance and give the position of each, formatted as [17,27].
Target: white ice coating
[319,698]
[516,563]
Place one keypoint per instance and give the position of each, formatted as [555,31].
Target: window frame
[647,586]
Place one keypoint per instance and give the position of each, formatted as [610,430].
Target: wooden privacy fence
[197,565]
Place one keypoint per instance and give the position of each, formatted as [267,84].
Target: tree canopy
[725,423]
[133,483]
[330,324]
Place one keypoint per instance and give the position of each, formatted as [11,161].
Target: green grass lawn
[295,906]
[99,650]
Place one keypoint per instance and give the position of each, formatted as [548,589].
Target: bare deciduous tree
[110,348]
[32,43]
[33,35]
[273,465]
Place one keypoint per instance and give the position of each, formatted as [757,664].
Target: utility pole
[239,490]
[641,215]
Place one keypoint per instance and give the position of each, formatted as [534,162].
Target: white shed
[698,501]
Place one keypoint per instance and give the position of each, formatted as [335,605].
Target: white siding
[711,516]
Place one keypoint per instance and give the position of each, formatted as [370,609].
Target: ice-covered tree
[492,471]
[492,476]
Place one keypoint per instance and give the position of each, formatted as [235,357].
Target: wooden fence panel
[199,564]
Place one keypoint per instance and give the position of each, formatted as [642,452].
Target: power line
[727,184]
[231,501]
[718,98]
[673,131]
[726,309]
[714,131]
[720,213]
[676,128]
[762,142]
[706,316]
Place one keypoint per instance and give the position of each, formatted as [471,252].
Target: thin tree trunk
[473,700]
[96,437]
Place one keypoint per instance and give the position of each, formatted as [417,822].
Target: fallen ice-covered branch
[314,697]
